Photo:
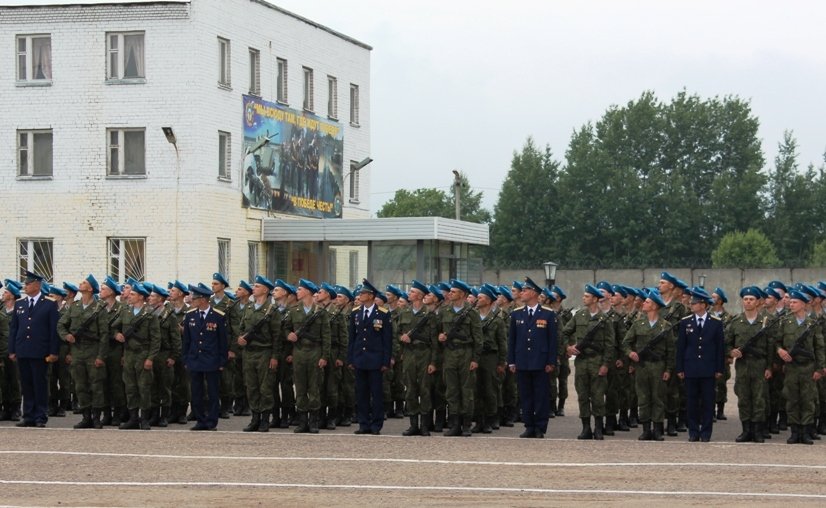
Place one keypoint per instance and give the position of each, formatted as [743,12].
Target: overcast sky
[459,86]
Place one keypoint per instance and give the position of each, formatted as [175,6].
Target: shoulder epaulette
[715,317]
[357,308]
[519,308]
[687,317]
[547,308]
[384,309]
[22,298]
[193,309]
[218,311]
[51,298]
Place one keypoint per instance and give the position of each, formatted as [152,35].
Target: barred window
[127,258]
[35,255]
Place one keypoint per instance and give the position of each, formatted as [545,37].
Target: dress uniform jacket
[34,334]
[371,339]
[532,342]
[205,341]
[701,353]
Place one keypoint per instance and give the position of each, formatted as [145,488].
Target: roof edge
[310,22]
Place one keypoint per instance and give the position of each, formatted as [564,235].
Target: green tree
[819,255]
[433,202]
[751,249]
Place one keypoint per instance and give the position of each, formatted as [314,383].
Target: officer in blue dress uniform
[369,352]
[33,344]
[700,360]
[532,354]
[204,353]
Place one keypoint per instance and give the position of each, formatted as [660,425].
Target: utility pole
[457,193]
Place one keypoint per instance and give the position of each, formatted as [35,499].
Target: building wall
[181,205]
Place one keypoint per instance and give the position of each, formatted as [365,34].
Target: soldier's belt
[418,344]
[454,346]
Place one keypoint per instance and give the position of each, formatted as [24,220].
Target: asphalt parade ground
[176,467]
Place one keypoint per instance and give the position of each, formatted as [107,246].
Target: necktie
[700,324]
[366,315]
[203,315]
[31,304]
[530,313]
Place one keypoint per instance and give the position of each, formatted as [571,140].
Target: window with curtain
[34,57]
[127,152]
[126,56]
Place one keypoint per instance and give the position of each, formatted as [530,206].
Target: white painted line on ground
[529,490]
[416,461]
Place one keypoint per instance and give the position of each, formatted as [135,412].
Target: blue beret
[682,284]
[418,285]
[159,290]
[113,284]
[34,277]
[260,279]
[11,288]
[805,288]
[593,290]
[330,289]
[140,289]
[341,290]
[200,290]
[68,286]
[381,296]
[530,284]
[721,294]
[13,283]
[821,285]
[474,291]
[763,294]
[437,292]
[94,283]
[558,290]
[698,293]
[816,290]
[622,290]
[366,287]
[493,289]
[606,286]
[54,290]
[776,284]
[487,291]
[669,278]
[750,291]
[518,285]
[549,294]
[654,296]
[405,296]
[131,282]
[45,288]
[220,278]
[393,290]
[795,294]
[230,295]
[357,289]
[246,286]
[460,285]
[308,285]
[771,292]
[279,283]
[506,292]
[180,286]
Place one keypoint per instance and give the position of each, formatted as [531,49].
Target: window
[354,267]
[127,152]
[281,87]
[252,249]
[34,153]
[223,59]
[223,256]
[224,156]
[35,255]
[127,258]
[255,72]
[34,57]
[354,104]
[332,97]
[125,55]
[308,89]
[354,183]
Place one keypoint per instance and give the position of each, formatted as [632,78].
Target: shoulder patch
[218,311]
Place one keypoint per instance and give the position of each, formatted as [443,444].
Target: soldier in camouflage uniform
[396,397]
[325,297]
[649,343]
[434,300]
[563,370]
[60,378]
[800,346]
[114,391]
[673,312]
[308,328]
[220,301]
[590,337]
[181,387]
[163,368]
[283,393]
[492,361]
[776,305]
[420,349]
[618,369]
[719,311]
[347,383]
[10,381]
[84,326]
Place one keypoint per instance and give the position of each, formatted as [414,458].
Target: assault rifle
[307,322]
[750,343]
[797,350]
[133,326]
[647,352]
[84,326]
[587,340]
[260,323]
[423,321]
[455,326]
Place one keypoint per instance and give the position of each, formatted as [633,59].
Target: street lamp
[355,167]
[170,136]
[702,280]
[550,272]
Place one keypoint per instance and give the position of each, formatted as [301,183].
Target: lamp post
[702,280]
[457,193]
[550,272]
[170,137]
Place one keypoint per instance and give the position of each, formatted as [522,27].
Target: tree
[819,255]
[751,249]
[432,202]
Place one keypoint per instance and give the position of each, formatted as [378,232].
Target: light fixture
[170,135]
[550,272]
[359,165]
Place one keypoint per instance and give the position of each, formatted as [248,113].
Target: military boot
[322,418]
[812,431]
[332,416]
[439,422]
[286,416]
[746,435]
[646,432]
[303,423]
[466,423]
[773,428]
[657,434]
[182,414]
[133,422]
[399,412]
[560,407]
[86,422]
[622,424]
[96,423]
[682,418]
[794,438]
[507,420]
[480,422]
[671,429]
[586,429]
[106,418]
[162,416]
[821,427]
[490,421]
[634,418]
[116,416]
[346,419]
[757,429]
[720,414]
[803,436]
[154,416]
[427,423]
[226,406]
[414,429]
[264,421]
[143,422]
[313,422]
[782,421]
[552,412]
[254,423]
[236,407]
[610,424]
[454,428]
[598,430]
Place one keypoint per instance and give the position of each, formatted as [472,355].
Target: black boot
[812,432]
[106,418]
[414,429]
[671,429]
[287,417]
[427,423]
[226,406]
[794,438]
[154,416]
[757,429]
[803,436]
[622,425]
[133,422]
[560,407]
[480,422]
[454,428]
[821,427]
[399,412]
[96,423]
[439,422]
[332,416]
[720,414]
[586,429]
[86,422]
[646,432]
[162,416]
[746,435]
[610,424]
[116,416]
[346,420]
[303,423]
[682,418]
[658,432]
[466,423]
[634,418]
[313,422]
[254,423]
[144,419]
[322,418]
[264,422]
[488,427]
[182,414]
[773,428]
[598,433]
[552,412]
[783,421]
[507,420]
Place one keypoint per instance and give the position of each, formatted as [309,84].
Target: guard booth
[386,251]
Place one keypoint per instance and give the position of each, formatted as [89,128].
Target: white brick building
[88,180]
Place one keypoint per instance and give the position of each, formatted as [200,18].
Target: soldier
[369,352]
[617,368]
[461,336]
[10,382]
[163,368]
[420,349]
[71,295]
[719,299]
[393,295]
[775,305]
[283,394]
[649,344]
[138,329]
[504,303]
[748,342]
[204,352]
[85,327]
[800,346]
[220,301]
[178,291]
[114,393]
[671,290]
[347,384]
[590,337]
[308,328]
[240,406]
[60,378]
[492,361]
[531,355]
[564,366]
[325,297]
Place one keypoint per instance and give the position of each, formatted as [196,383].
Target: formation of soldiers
[120,363]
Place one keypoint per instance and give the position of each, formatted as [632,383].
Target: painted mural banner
[292,161]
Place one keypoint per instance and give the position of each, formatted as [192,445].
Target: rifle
[646,353]
[257,326]
[490,319]
[797,348]
[586,341]
[88,321]
[424,320]
[455,326]
[749,344]
[134,325]
[307,322]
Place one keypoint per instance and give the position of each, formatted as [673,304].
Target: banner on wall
[292,162]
